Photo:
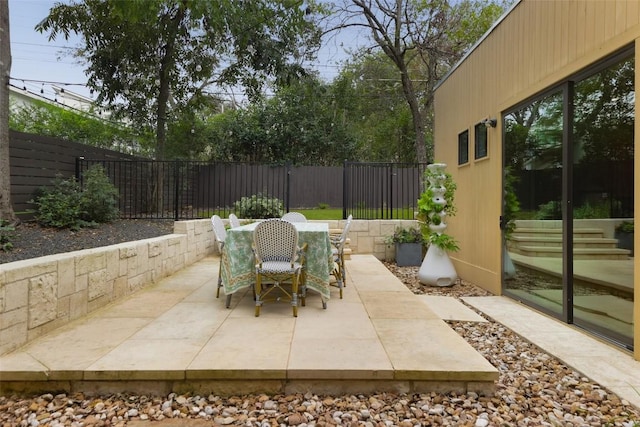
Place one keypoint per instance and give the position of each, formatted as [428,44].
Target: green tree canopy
[300,124]
[147,59]
[423,40]
[369,98]
[45,119]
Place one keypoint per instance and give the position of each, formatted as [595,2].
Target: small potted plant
[408,243]
[624,235]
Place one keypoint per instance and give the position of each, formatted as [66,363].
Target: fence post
[391,175]
[344,190]
[78,160]
[287,192]
[176,183]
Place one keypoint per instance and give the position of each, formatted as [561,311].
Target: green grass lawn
[325,214]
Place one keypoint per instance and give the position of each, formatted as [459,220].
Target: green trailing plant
[429,212]
[258,206]
[6,234]
[406,235]
[444,242]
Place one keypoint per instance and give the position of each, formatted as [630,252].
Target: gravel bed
[534,389]
[31,241]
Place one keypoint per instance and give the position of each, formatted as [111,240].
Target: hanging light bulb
[42,88]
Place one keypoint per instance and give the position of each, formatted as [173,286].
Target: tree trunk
[166,64]
[416,115]
[6,207]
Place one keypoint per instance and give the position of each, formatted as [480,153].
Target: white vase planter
[508,267]
[437,269]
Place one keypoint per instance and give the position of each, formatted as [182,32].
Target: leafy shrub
[258,206]
[625,227]
[60,205]
[5,236]
[99,197]
[65,205]
[599,209]
[549,210]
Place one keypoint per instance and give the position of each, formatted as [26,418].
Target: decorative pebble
[533,389]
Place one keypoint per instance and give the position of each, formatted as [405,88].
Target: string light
[48,82]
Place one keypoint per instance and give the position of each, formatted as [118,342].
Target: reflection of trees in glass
[603,136]
[533,135]
[604,114]
[533,156]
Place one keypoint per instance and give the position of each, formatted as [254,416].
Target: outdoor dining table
[238,263]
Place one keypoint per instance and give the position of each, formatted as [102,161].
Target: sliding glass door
[533,196]
[602,176]
[568,198]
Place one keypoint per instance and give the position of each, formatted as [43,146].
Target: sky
[37,63]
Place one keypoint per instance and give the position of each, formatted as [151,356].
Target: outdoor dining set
[280,258]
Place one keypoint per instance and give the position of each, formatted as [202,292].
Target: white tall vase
[508,267]
[437,269]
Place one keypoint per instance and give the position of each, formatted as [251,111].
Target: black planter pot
[408,254]
[625,240]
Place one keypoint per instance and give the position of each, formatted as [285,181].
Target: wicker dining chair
[294,217]
[221,235]
[275,245]
[234,221]
[338,242]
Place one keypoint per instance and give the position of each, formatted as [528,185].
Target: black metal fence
[190,189]
[381,190]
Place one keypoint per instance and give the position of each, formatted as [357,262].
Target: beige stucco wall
[537,45]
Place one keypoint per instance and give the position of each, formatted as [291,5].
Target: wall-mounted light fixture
[490,123]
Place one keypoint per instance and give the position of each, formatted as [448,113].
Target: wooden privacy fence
[35,160]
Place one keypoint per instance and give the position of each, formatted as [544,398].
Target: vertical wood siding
[537,45]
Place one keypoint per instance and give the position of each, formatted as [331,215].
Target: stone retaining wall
[41,294]
[368,236]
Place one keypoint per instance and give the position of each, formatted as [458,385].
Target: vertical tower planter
[437,269]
